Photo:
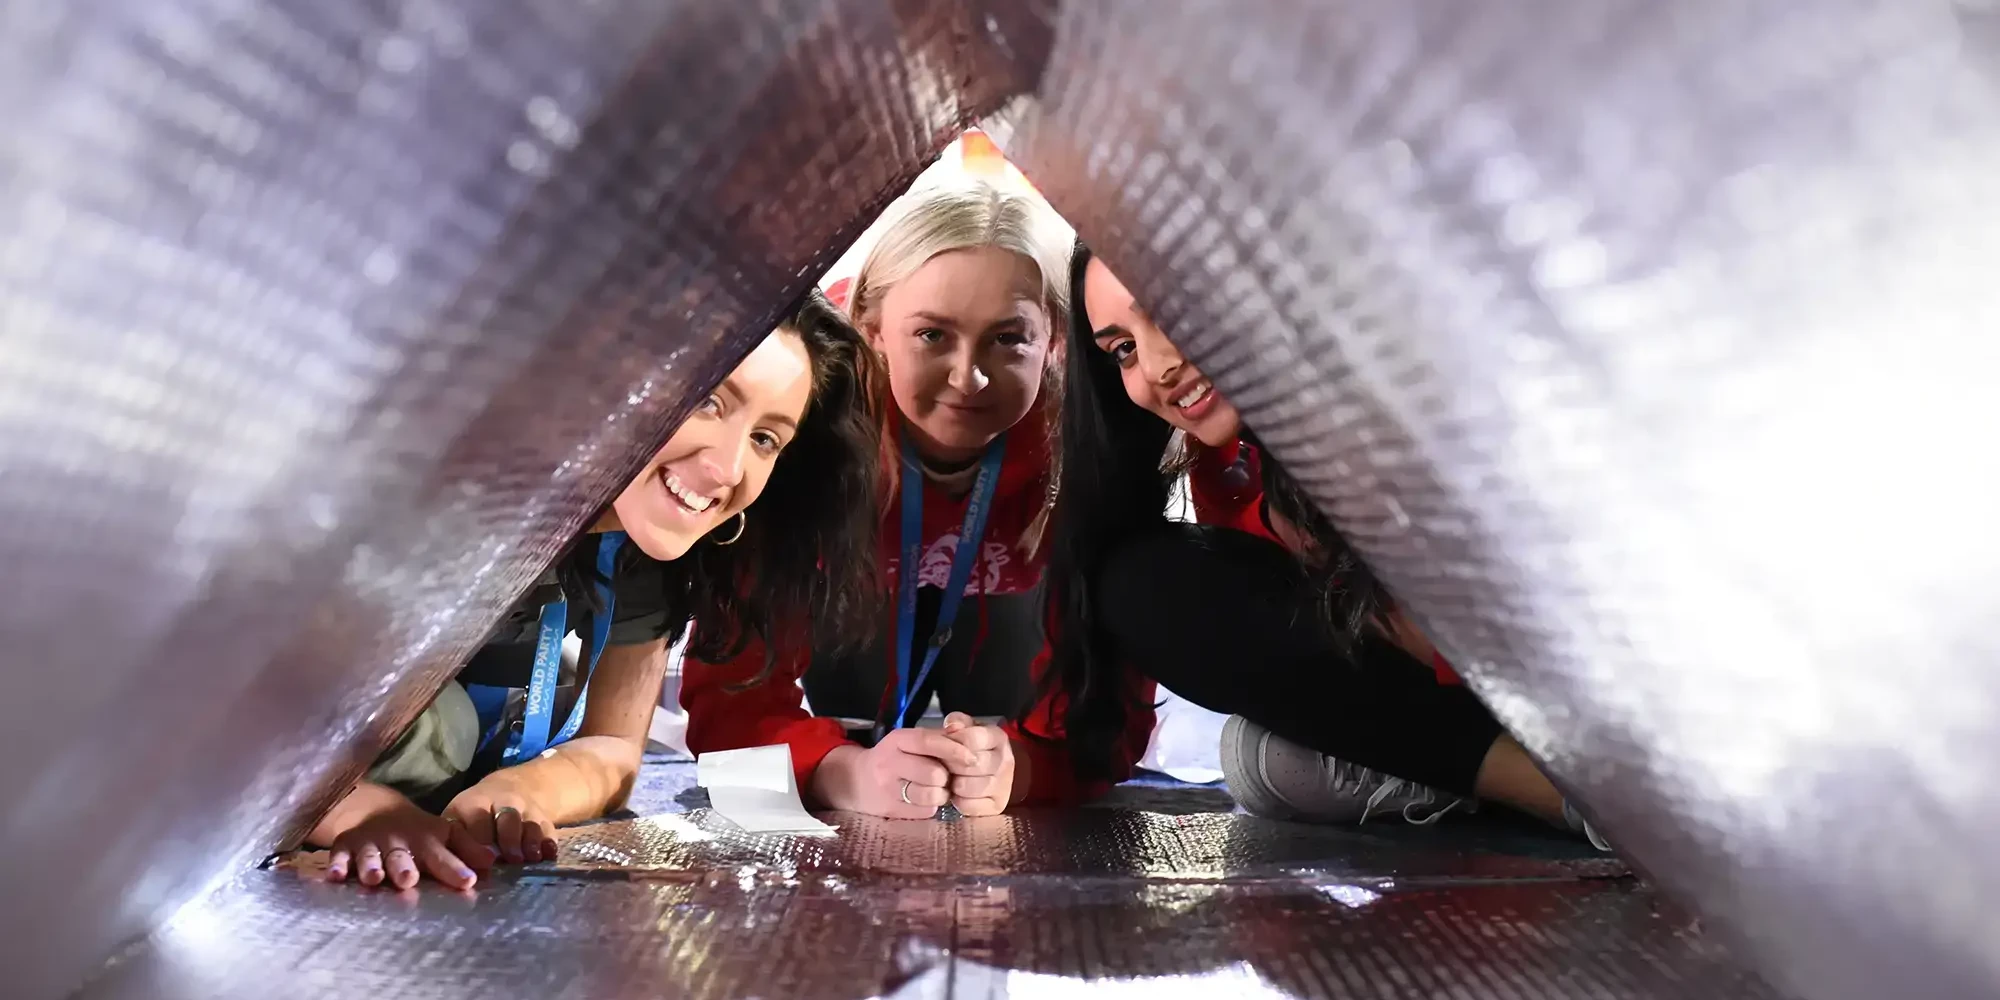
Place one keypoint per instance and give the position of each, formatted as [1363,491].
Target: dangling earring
[742,520]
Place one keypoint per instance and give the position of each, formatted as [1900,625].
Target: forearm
[833,784]
[593,773]
[364,800]
[581,779]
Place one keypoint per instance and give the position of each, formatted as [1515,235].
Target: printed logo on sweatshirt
[934,570]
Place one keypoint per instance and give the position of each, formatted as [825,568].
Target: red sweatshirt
[1227,486]
[774,712]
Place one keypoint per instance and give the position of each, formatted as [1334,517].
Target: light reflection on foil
[1353,897]
[599,852]
[675,826]
[973,979]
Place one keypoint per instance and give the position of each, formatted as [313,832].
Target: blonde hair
[971,216]
[964,217]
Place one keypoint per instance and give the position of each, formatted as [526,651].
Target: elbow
[621,772]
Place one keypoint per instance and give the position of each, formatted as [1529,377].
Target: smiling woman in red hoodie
[963,297]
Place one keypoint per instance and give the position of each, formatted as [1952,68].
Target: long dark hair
[804,568]
[1117,483]
[1113,487]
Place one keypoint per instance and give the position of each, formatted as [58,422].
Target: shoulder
[639,611]
[641,581]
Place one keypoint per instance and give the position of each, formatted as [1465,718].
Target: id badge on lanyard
[540,709]
[977,507]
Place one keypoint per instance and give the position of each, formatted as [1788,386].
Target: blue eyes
[933,336]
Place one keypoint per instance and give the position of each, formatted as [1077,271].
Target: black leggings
[1220,617]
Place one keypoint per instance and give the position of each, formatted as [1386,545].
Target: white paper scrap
[754,788]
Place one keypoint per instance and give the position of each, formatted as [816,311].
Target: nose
[725,460]
[1159,360]
[967,377]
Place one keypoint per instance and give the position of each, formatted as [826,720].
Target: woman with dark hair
[517,745]
[1340,706]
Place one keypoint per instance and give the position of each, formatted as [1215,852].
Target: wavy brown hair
[805,564]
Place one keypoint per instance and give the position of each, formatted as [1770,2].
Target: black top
[638,616]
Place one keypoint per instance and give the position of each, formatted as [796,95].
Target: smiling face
[719,459]
[1156,377]
[966,338]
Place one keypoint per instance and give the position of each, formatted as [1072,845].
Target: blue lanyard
[541,704]
[969,533]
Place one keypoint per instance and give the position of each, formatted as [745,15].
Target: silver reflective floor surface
[1114,899]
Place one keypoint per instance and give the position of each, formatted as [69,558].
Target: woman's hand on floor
[904,776]
[398,843]
[499,814]
[985,785]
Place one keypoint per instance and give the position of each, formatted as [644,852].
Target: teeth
[1194,396]
[694,500]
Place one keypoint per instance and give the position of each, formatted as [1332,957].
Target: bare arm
[593,773]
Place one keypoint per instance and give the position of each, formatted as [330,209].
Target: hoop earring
[742,520]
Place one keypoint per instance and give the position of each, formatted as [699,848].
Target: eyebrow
[735,391]
[935,319]
[1114,330]
[742,400]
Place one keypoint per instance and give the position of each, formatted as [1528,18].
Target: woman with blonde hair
[963,298]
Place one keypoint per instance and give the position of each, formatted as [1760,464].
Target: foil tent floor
[1115,899]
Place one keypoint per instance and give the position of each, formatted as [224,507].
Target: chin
[1213,437]
[959,436]
[661,546]
[1218,431]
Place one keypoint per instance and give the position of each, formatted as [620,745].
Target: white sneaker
[1273,777]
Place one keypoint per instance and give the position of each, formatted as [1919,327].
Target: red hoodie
[773,711]
[1227,486]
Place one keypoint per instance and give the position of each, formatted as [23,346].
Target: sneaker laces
[1345,777]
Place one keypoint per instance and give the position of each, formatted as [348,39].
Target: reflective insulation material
[324,324]
[1646,349]
[1086,843]
[1122,904]
[1648,352]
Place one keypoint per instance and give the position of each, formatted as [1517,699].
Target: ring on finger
[906,793]
[393,851]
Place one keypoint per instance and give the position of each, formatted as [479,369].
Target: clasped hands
[911,773]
